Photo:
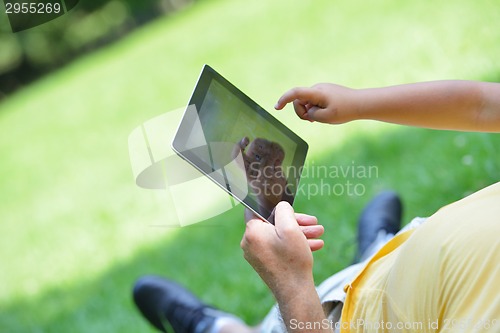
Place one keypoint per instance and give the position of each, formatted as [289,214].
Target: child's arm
[455,105]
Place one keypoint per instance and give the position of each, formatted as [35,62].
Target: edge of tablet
[300,142]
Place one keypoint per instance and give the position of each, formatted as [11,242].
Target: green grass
[76,232]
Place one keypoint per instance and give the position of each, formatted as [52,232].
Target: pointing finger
[302,94]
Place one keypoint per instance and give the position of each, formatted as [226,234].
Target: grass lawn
[76,231]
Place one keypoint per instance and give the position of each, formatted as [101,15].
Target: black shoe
[382,213]
[161,301]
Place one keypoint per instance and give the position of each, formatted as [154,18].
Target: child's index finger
[305,95]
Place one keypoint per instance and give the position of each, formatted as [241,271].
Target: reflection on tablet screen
[263,166]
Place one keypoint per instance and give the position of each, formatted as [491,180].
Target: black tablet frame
[187,123]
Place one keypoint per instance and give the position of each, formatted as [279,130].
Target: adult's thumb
[284,216]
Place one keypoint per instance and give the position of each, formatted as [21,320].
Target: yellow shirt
[441,277]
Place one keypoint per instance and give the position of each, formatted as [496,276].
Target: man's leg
[166,303]
[378,223]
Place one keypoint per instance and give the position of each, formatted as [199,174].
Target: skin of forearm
[454,105]
[301,309]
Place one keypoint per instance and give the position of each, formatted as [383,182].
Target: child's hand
[323,102]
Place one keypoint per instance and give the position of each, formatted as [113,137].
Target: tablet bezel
[186,125]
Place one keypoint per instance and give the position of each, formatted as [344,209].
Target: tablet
[239,145]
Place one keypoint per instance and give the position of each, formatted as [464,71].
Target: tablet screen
[239,145]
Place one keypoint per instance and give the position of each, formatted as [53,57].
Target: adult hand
[308,225]
[323,102]
[282,253]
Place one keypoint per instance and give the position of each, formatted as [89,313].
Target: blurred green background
[33,53]
[75,230]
